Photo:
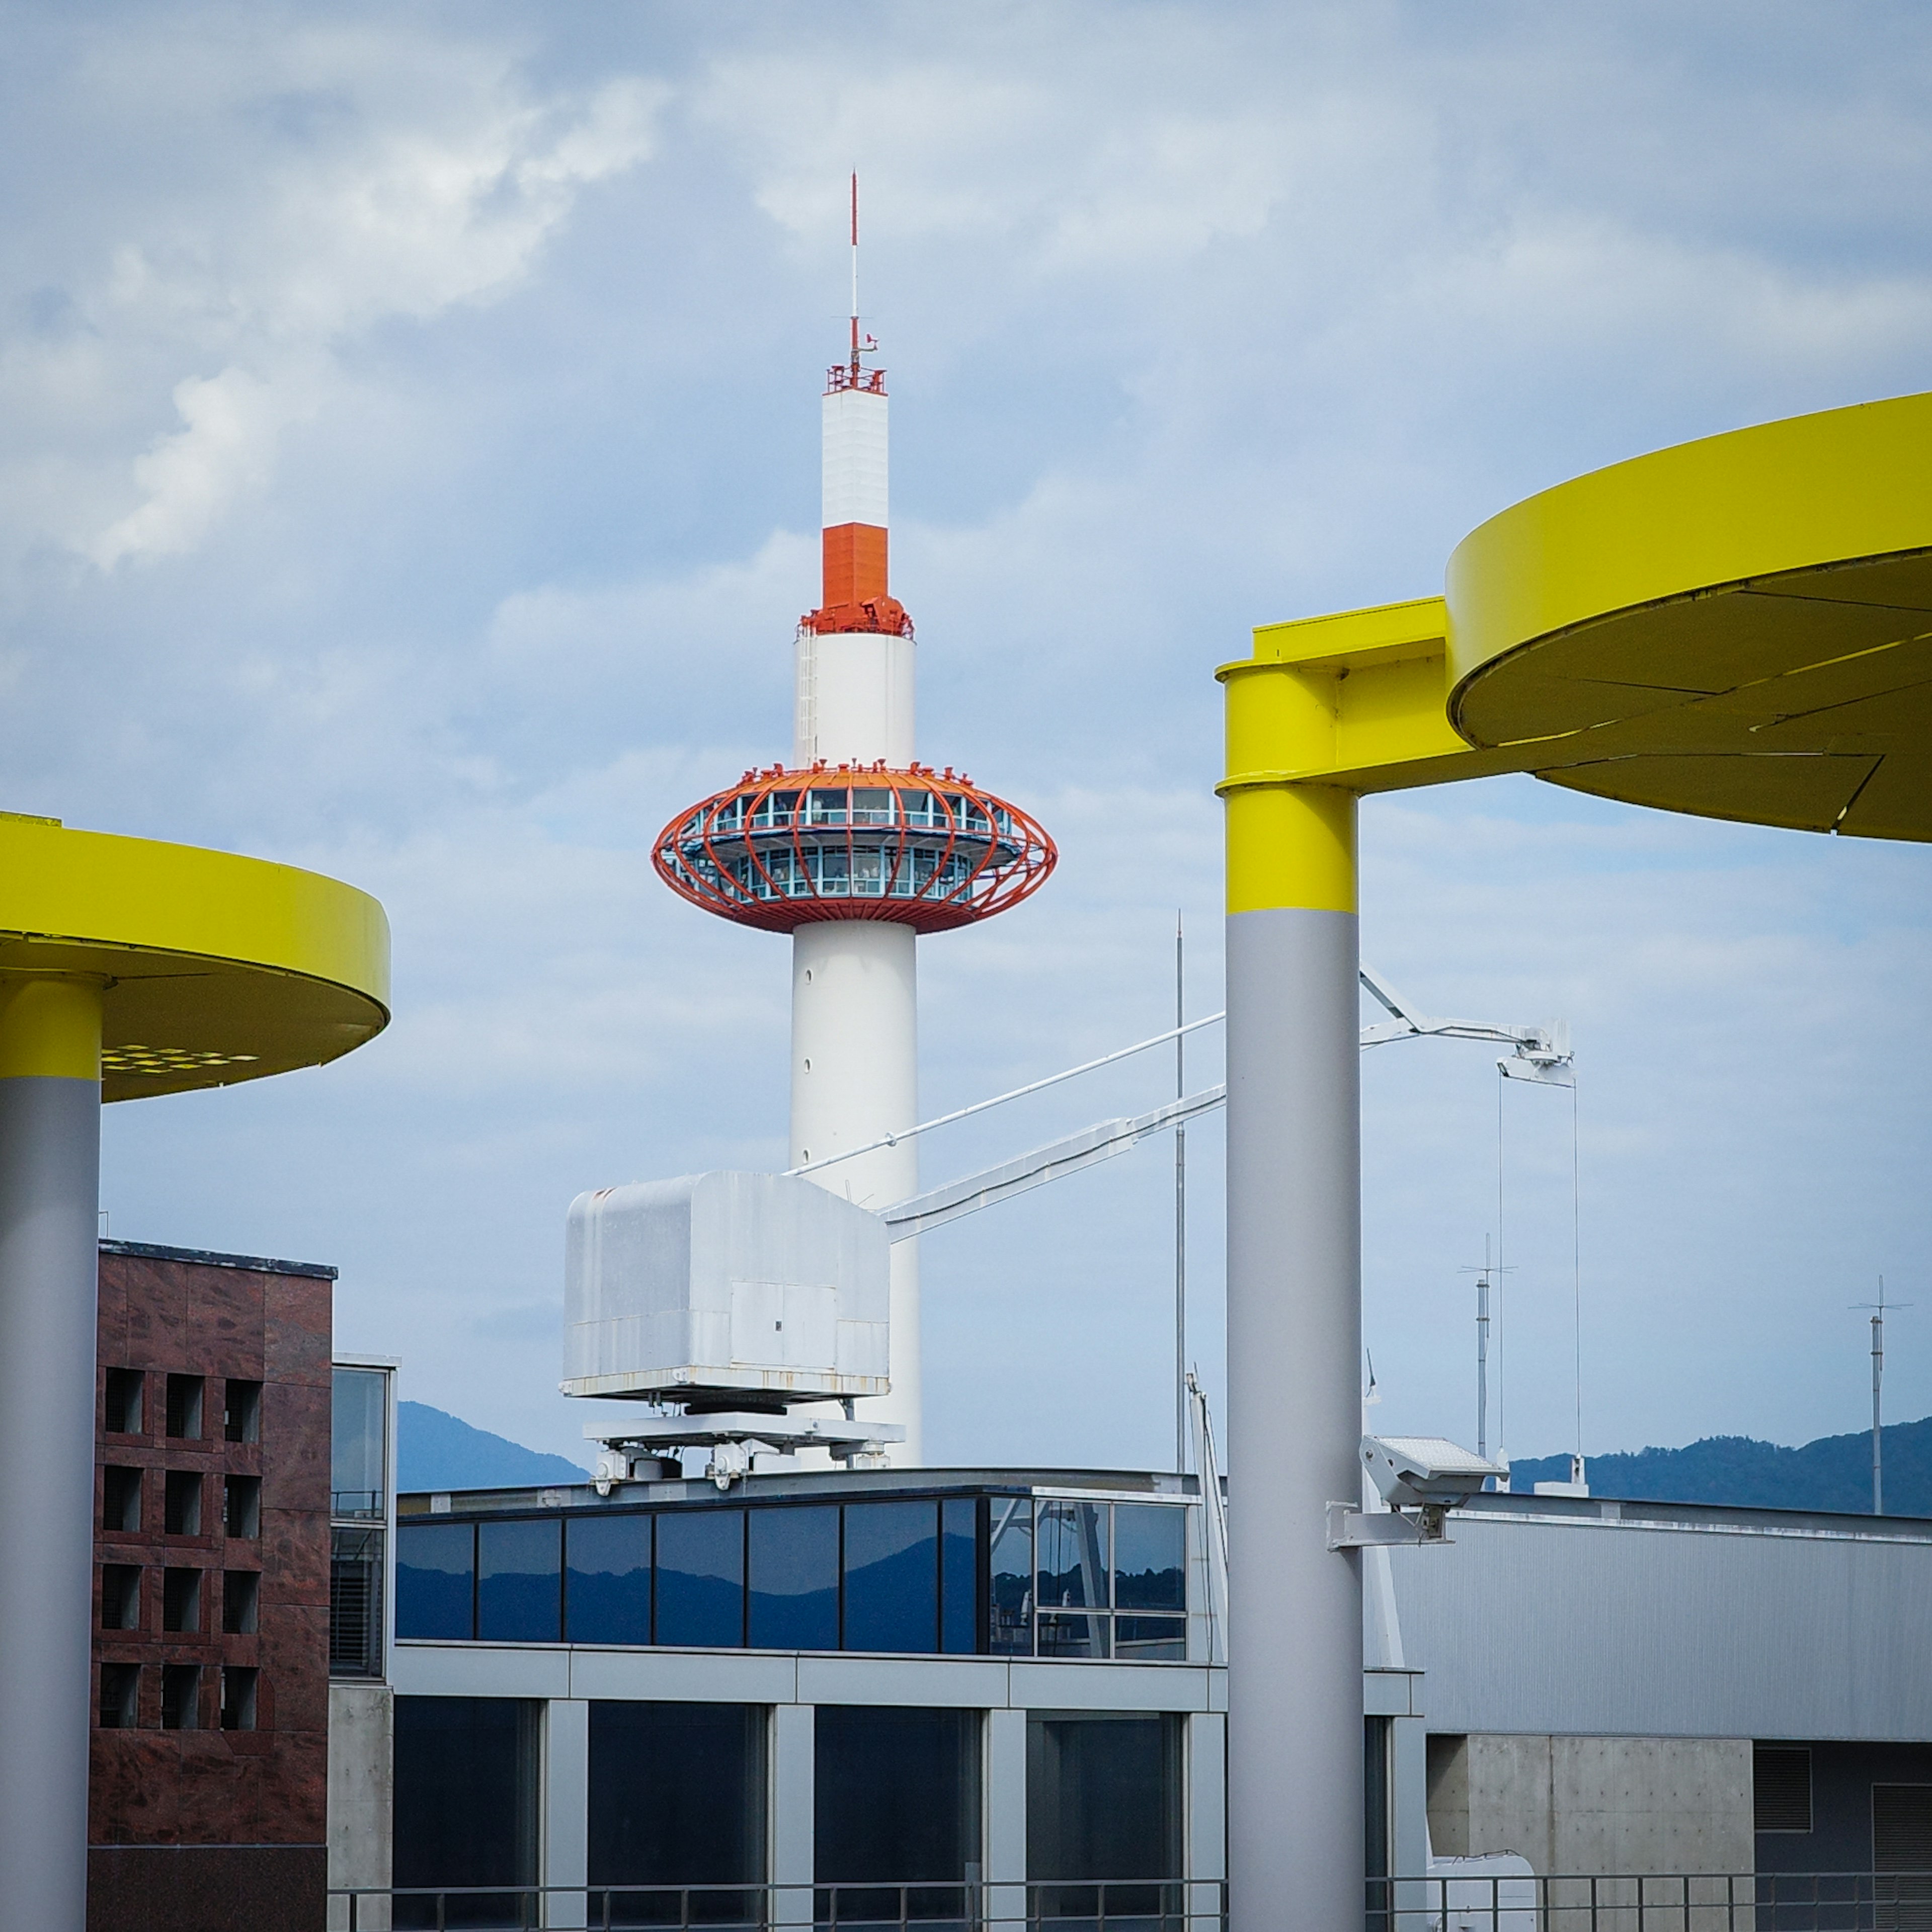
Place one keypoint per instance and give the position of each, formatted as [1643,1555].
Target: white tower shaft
[854,989]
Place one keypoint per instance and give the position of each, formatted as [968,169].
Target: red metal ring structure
[917,847]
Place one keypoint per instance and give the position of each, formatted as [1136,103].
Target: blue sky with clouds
[410,471]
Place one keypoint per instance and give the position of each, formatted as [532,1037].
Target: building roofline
[1646,1513]
[150,1251]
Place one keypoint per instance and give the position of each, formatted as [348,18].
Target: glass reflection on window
[701,1577]
[1150,1557]
[519,1582]
[794,1578]
[1073,1561]
[1010,1585]
[892,1576]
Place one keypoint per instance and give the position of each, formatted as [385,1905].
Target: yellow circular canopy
[217,968]
[1740,627]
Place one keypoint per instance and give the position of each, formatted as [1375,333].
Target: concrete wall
[1594,1805]
[362,1793]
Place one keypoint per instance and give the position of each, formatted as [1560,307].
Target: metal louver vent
[1902,1828]
[1781,1787]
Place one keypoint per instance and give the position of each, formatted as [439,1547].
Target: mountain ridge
[1832,1474]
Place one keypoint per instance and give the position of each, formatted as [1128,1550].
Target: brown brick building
[210,1756]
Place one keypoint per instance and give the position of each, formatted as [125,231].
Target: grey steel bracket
[1350,1528]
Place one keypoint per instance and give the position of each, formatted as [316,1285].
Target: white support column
[566,1807]
[855,1078]
[50,1198]
[1207,1845]
[1408,1804]
[1006,1815]
[1294,1763]
[793,1770]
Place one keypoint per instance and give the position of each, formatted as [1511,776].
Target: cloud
[379,178]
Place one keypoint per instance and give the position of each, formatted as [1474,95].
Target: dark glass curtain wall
[677,1799]
[1103,1796]
[466,1805]
[896,1801]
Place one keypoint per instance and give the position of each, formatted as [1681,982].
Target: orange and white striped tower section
[855,849]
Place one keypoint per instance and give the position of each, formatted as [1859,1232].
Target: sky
[409,470]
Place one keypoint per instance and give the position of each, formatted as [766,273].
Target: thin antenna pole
[1483,1355]
[855,274]
[1180,1205]
[1878,1378]
[1501,1326]
[1576,1265]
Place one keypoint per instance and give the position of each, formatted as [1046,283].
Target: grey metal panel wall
[1605,1629]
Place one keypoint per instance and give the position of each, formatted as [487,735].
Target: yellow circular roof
[217,968]
[1740,627]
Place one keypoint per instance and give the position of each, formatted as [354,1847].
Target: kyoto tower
[855,849]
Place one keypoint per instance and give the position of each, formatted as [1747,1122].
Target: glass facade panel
[520,1581]
[794,1578]
[355,1602]
[892,1576]
[358,1476]
[701,1577]
[1072,1556]
[1073,1633]
[1103,1799]
[466,1808]
[1150,1557]
[959,1576]
[1009,1588]
[436,1580]
[1151,1639]
[677,1798]
[608,1583]
[895,1802]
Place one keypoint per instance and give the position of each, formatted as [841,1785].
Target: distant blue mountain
[1833,1473]
[435,1451]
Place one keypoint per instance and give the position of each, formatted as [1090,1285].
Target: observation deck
[784,848]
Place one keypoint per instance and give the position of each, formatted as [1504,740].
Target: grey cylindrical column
[50,1189]
[1294,1727]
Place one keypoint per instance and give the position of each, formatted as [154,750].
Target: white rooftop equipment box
[760,1284]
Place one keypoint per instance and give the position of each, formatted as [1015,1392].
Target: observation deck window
[827,808]
[871,808]
[994,1574]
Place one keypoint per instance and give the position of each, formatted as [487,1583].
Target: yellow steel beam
[1740,627]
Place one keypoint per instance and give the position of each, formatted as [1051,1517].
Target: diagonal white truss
[1540,1053]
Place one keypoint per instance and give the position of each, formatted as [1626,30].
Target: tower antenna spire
[855,276]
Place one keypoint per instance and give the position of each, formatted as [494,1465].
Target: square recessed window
[241,1600]
[241,1411]
[238,1697]
[241,1507]
[120,1596]
[180,1697]
[120,1499]
[181,1600]
[120,1697]
[181,1496]
[123,1406]
[184,1393]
